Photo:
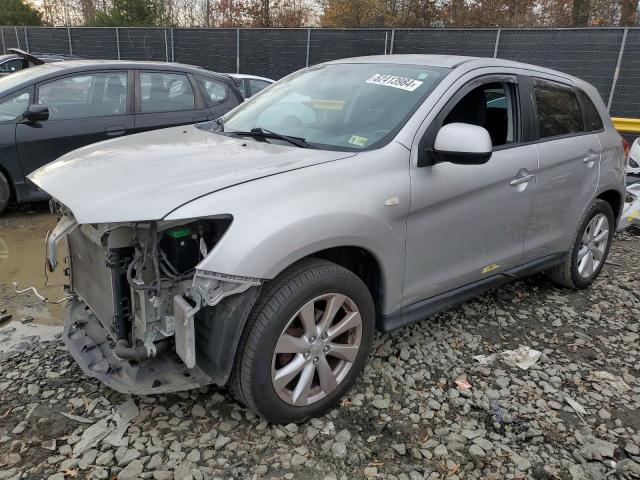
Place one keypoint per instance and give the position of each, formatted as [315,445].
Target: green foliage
[130,13]
[19,12]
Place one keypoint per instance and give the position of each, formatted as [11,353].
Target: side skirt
[444,301]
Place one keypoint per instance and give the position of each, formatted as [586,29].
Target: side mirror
[36,113]
[463,144]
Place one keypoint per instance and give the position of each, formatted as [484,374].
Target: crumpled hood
[146,176]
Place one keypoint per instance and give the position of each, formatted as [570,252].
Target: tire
[260,374]
[573,273]
[5,192]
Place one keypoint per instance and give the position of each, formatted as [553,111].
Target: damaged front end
[142,317]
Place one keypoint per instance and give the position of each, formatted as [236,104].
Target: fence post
[386,37]
[166,46]
[173,51]
[4,47]
[26,38]
[495,49]
[393,37]
[15,29]
[118,41]
[237,50]
[308,44]
[617,71]
[69,39]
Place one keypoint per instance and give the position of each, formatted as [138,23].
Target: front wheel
[5,192]
[590,248]
[305,342]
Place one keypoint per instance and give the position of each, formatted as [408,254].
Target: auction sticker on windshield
[358,140]
[403,83]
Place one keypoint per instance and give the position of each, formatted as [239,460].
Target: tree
[580,13]
[130,13]
[19,12]
[355,13]
[628,13]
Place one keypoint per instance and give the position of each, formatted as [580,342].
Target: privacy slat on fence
[591,54]
[626,98]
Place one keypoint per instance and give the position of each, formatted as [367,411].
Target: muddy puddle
[22,232]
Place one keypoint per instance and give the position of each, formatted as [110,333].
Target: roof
[444,61]
[448,61]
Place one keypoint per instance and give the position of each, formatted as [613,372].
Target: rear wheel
[5,192]
[590,248]
[305,342]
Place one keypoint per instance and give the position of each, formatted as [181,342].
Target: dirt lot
[22,232]
[424,408]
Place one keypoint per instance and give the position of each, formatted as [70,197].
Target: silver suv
[264,249]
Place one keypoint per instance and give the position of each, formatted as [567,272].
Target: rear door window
[557,108]
[165,92]
[592,120]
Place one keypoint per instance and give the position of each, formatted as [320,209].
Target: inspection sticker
[358,140]
[402,83]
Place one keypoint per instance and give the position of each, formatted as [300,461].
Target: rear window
[592,120]
[558,109]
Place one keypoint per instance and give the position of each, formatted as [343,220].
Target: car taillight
[626,147]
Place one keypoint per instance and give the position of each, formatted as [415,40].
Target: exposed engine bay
[142,316]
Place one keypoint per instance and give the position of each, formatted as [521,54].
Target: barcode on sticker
[403,83]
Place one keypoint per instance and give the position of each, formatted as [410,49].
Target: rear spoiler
[26,55]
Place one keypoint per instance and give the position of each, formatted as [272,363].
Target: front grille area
[91,279]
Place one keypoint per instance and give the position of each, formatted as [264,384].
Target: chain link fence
[609,58]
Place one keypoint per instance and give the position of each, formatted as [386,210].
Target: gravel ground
[406,418]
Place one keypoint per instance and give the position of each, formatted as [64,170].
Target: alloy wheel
[316,349]
[593,246]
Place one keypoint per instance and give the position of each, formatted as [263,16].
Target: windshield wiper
[264,133]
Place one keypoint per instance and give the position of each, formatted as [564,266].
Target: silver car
[264,249]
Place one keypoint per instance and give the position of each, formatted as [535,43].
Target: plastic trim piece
[429,307]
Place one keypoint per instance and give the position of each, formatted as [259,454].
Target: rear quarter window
[592,120]
[557,108]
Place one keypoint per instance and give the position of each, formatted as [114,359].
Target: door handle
[115,131]
[520,180]
[590,158]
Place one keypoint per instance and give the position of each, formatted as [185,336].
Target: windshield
[339,106]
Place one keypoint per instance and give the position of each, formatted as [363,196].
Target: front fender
[280,219]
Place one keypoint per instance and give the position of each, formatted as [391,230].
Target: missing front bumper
[216,332]
[92,348]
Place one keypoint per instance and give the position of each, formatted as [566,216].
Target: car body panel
[335,205]
[138,177]
[472,209]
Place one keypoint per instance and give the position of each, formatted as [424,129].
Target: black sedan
[49,110]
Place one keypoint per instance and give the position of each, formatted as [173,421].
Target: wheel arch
[615,200]
[362,263]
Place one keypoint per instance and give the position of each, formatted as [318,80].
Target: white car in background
[631,210]
[634,158]
[249,85]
